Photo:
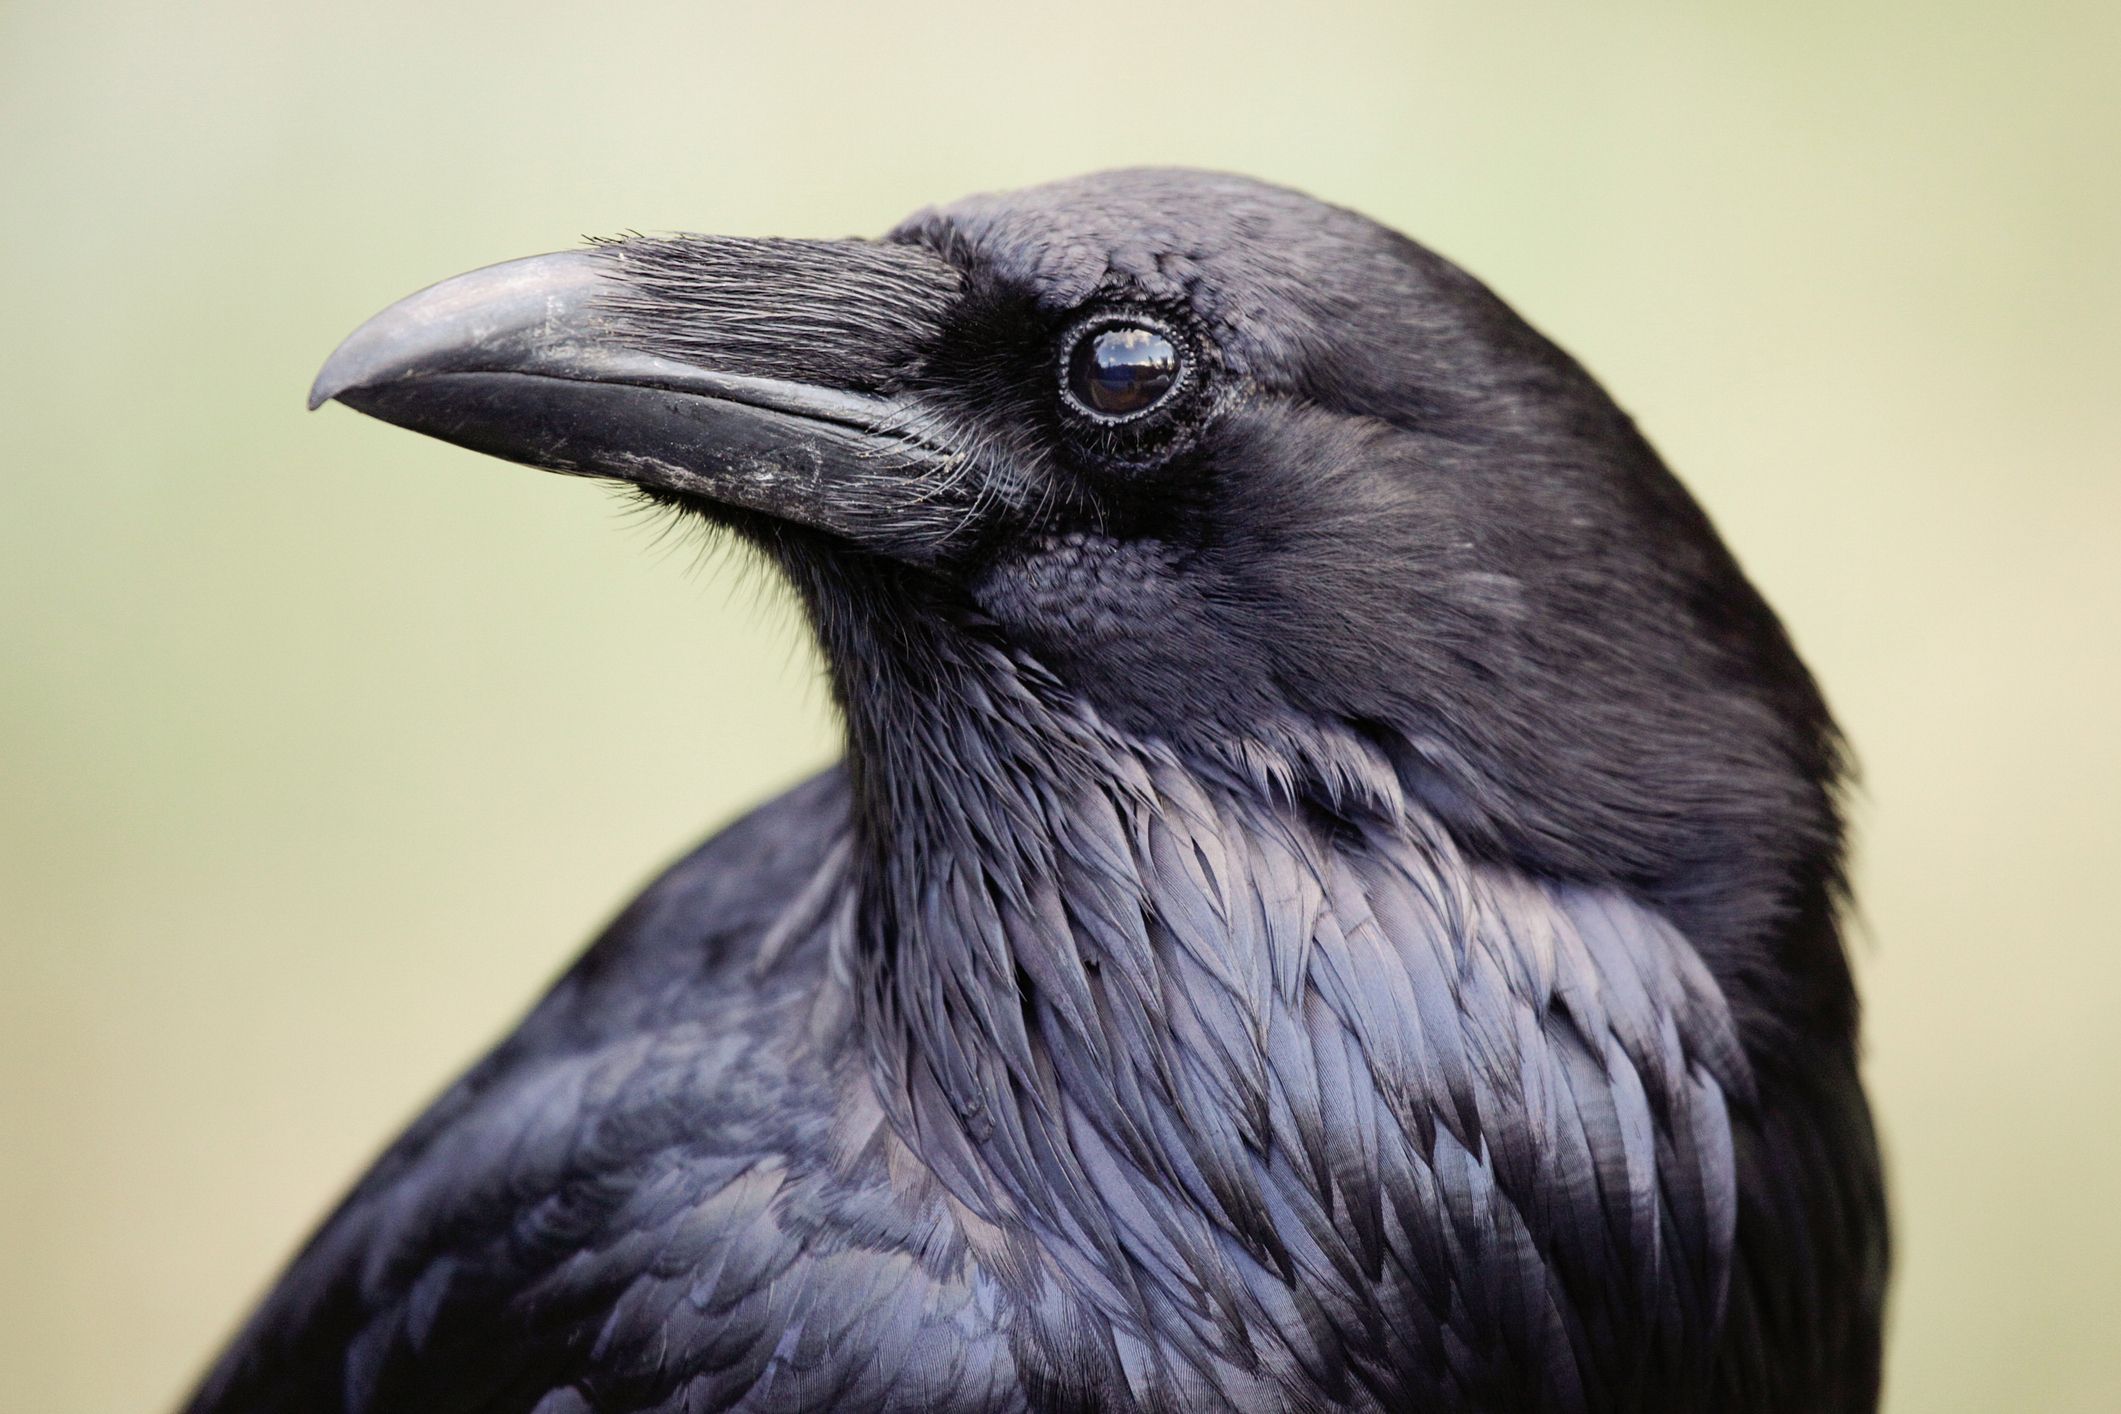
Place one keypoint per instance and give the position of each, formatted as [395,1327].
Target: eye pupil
[1123,370]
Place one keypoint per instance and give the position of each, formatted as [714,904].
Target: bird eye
[1122,370]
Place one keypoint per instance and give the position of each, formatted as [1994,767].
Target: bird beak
[563,362]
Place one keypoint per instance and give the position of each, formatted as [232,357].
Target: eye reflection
[1123,370]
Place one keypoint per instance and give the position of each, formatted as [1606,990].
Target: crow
[1331,901]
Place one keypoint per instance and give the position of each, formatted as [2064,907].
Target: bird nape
[1330,903]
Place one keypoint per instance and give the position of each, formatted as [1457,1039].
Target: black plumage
[1330,902]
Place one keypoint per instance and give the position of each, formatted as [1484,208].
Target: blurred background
[323,746]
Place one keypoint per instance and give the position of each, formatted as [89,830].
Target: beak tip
[461,324]
[344,371]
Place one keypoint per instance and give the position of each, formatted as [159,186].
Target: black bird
[1331,902]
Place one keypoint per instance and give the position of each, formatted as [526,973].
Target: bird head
[1233,467]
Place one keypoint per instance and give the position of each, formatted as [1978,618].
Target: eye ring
[1124,367]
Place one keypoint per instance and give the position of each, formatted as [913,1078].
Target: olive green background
[323,746]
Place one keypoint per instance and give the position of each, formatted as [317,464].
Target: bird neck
[1059,936]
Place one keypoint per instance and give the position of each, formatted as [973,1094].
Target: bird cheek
[1078,591]
[1124,626]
